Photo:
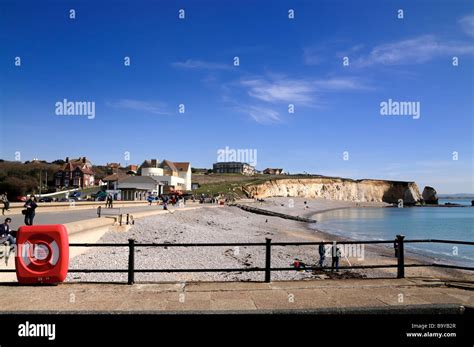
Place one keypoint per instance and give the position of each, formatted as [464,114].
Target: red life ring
[42,254]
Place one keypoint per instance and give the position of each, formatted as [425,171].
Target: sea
[447,223]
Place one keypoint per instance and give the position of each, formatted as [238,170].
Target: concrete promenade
[332,295]
[67,214]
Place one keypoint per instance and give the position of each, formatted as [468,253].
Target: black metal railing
[107,211]
[116,212]
[398,243]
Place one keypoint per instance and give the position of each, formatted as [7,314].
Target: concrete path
[235,296]
[74,215]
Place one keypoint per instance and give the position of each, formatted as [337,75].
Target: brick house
[76,173]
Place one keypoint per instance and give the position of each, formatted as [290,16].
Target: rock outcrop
[366,190]
[430,196]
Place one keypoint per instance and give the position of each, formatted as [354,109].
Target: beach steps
[273,214]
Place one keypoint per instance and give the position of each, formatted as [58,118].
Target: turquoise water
[453,223]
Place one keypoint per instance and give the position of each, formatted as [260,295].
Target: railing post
[268,259]
[131,261]
[99,209]
[401,257]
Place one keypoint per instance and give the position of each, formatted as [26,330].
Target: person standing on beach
[336,254]
[30,206]
[6,203]
[322,253]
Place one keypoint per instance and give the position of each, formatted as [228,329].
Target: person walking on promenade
[30,206]
[110,201]
[6,203]
[336,254]
[322,253]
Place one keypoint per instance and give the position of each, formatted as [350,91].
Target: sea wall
[366,190]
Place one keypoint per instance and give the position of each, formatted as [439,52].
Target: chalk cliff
[366,190]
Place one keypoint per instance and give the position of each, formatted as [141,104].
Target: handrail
[398,244]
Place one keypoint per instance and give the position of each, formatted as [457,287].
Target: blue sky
[282,61]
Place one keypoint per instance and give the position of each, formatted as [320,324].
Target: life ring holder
[44,263]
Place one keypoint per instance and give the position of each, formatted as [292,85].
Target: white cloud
[263,115]
[200,65]
[139,105]
[467,24]
[279,91]
[340,84]
[414,50]
[301,91]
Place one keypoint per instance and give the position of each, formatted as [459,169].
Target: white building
[139,187]
[173,174]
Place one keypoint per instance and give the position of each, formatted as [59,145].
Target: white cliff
[366,190]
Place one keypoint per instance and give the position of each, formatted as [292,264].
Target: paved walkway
[73,215]
[235,296]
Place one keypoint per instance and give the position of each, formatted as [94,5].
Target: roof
[182,166]
[174,166]
[85,170]
[115,176]
[170,164]
[150,163]
[68,167]
[77,163]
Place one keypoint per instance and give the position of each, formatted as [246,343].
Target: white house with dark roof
[175,175]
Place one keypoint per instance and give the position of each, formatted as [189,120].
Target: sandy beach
[231,224]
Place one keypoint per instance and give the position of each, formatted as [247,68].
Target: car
[151,198]
[99,196]
[21,198]
[46,199]
[75,196]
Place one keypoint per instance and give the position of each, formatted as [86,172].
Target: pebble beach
[228,224]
